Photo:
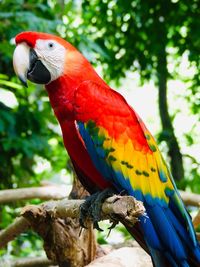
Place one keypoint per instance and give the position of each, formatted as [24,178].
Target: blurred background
[148,50]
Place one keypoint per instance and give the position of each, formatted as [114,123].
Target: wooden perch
[66,208]
[123,206]
[53,221]
[58,225]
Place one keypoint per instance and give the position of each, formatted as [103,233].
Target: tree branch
[43,192]
[19,226]
[64,208]
[59,192]
[51,219]
[190,199]
[125,207]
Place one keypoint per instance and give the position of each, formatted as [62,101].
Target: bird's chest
[64,111]
[78,153]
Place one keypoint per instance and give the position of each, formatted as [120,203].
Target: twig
[193,159]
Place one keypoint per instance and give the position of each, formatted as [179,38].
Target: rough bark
[124,206]
[64,241]
[57,223]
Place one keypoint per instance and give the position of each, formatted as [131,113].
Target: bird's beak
[21,62]
[27,65]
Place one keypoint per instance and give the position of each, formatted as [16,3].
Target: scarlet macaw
[109,145]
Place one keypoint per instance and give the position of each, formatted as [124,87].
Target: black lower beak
[37,72]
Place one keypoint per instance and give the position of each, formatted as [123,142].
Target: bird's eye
[51,45]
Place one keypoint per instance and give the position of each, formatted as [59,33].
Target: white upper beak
[21,61]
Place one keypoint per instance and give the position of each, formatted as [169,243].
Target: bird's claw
[96,226]
[92,207]
[114,223]
[84,210]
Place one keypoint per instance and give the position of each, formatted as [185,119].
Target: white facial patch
[52,55]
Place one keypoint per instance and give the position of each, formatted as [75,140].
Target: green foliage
[134,37]
[25,131]
[27,123]
[18,16]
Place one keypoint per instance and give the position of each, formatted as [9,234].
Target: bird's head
[43,58]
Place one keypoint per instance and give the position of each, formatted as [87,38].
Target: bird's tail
[163,258]
[157,258]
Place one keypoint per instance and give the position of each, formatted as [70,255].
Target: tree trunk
[167,127]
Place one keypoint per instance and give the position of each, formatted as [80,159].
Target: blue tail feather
[167,239]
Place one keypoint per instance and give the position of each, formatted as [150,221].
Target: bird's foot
[92,208]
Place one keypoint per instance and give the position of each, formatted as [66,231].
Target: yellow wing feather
[146,172]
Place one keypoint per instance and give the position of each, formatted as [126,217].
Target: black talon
[114,223]
[96,226]
[96,207]
[92,208]
[114,220]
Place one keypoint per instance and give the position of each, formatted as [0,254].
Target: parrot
[109,145]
